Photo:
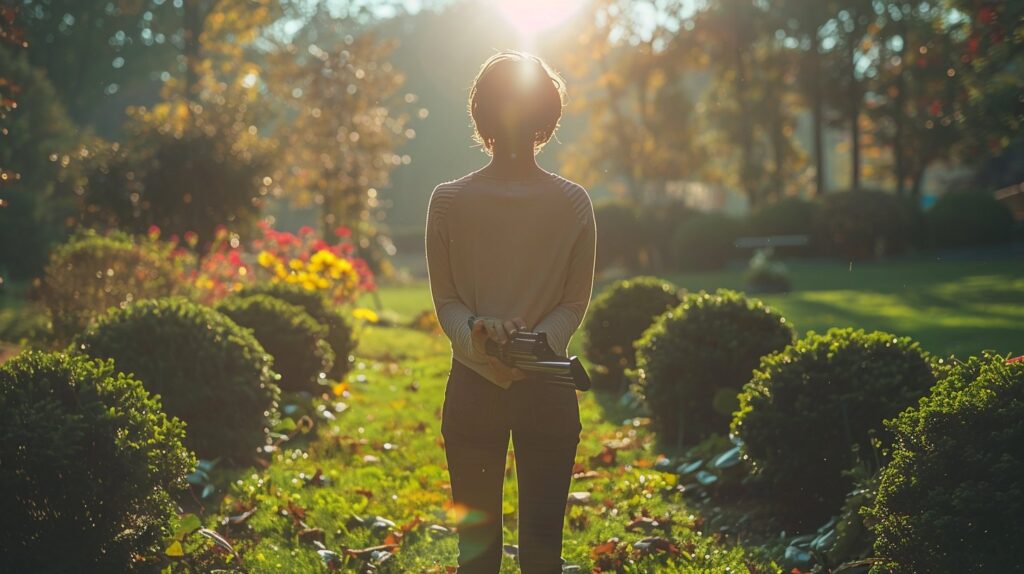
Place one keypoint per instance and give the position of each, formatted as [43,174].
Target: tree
[345,114]
[92,49]
[989,40]
[630,72]
[851,58]
[216,33]
[918,90]
[750,98]
[803,22]
[185,166]
[37,138]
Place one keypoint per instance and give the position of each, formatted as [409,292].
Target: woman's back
[510,248]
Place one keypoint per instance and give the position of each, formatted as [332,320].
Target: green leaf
[188,524]
[175,550]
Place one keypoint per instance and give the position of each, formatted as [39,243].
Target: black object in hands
[530,352]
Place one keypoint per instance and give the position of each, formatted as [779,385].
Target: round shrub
[695,358]
[92,273]
[340,333]
[865,224]
[705,241]
[810,409]
[951,498]
[295,339]
[965,219]
[788,216]
[619,315]
[765,274]
[87,461]
[621,237]
[658,222]
[210,372]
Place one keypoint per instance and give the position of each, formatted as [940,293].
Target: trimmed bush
[765,274]
[810,409]
[657,222]
[295,339]
[966,219]
[340,333]
[951,499]
[88,460]
[705,241]
[210,372]
[695,358]
[619,315]
[865,224]
[92,273]
[621,237]
[788,216]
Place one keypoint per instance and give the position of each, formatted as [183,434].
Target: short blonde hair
[531,82]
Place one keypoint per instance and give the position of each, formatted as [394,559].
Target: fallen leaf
[311,535]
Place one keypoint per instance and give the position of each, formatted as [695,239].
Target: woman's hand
[499,331]
[495,329]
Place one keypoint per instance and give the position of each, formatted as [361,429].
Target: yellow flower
[323,257]
[341,268]
[296,264]
[267,259]
[365,314]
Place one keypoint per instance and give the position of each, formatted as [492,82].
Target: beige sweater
[510,248]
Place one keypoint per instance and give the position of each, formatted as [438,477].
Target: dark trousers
[544,422]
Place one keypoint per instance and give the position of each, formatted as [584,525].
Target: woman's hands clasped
[499,331]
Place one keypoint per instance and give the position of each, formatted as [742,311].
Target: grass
[361,472]
[949,306]
[378,453]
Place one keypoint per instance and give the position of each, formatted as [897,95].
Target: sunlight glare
[532,16]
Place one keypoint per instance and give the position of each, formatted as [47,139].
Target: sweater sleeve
[565,319]
[452,313]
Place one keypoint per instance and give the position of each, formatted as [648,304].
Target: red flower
[284,238]
[235,259]
[342,231]
[154,231]
[305,230]
[972,45]
[1019,359]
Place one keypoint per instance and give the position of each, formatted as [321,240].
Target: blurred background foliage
[196,113]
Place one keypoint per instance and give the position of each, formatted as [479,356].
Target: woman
[510,246]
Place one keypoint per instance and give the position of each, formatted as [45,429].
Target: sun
[530,17]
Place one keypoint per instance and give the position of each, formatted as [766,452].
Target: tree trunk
[817,110]
[746,136]
[898,112]
[778,154]
[854,113]
[192,30]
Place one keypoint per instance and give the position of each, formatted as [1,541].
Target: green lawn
[959,307]
[378,453]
